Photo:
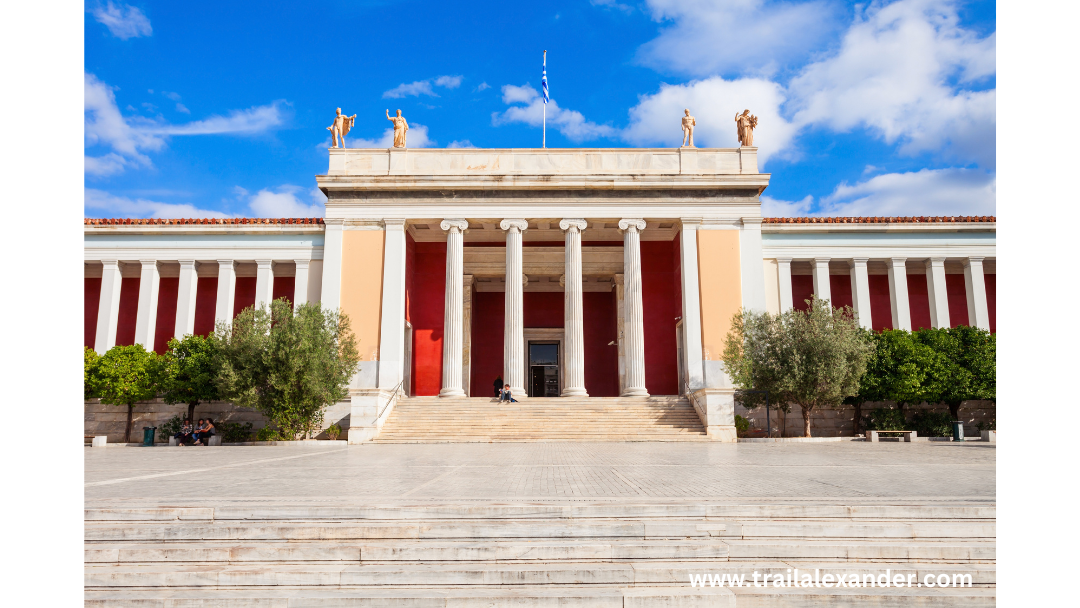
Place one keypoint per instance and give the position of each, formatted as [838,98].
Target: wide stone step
[545,596]
[531,573]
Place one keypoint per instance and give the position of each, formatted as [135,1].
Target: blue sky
[211,109]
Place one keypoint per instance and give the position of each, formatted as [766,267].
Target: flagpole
[543,143]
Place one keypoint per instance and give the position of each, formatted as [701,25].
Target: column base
[452,392]
[518,393]
[575,392]
[635,392]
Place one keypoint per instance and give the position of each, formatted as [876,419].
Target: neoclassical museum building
[578,274]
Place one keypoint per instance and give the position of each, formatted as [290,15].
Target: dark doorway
[543,369]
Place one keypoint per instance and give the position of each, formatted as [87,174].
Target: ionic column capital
[514,225]
[636,223]
[454,225]
[573,225]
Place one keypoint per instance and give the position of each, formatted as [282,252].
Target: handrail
[393,394]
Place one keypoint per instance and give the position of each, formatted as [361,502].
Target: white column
[146,317]
[226,292]
[635,320]
[898,294]
[573,311]
[392,328]
[939,296]
[691,303]
[750,256]
[783,267]
[264,284]
[975,284]
[620,329]
[300,288]
[331,279]
[822,285]
[108,315]
[466,333]
[185,299]
[514,328]
[860,292]
[454,309]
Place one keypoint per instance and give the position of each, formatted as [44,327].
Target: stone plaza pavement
[531,471]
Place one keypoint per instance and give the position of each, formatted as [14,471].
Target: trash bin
[148,436]
[957,430]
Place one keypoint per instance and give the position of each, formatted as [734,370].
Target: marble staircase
[547,553]
[480,419]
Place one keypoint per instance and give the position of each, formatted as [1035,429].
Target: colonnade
[974,286]
[573,357]
[149,283]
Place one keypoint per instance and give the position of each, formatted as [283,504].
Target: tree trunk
[954,410]
[127,433]
[191,411]
[805,420]
[858,417]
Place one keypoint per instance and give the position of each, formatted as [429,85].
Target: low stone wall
[110,420]
[838,422]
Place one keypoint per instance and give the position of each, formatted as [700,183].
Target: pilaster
[391,363]
[264,284]
[975,284]
[783,270]
[300,289]
[331,280]
[691,303]
[750,256]
[226,292]
[860,292]
[822,284]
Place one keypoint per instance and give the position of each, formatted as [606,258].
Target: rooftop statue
[746,123]
[688,124]
[400,127]
[340,128]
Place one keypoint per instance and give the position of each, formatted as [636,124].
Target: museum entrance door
[543,369]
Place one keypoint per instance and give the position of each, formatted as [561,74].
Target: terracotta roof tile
[194,221]
[880,220]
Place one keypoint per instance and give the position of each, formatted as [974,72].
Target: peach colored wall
[361,287]
[721,287]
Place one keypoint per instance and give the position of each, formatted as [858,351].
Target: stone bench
[909,436]
[215,440]
[97,441]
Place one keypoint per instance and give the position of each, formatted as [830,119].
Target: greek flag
[543,79]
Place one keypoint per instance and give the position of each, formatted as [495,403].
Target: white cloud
[898,72]
[656,119]
[772,207]
[482,86]
[171,95]
[417,137]
[423,87]
[104,204]
[708,37]
[450,82]
[124,21]
[926,192]
[131,137]
[463,143]
[570,123]
[285,202]
[182,108]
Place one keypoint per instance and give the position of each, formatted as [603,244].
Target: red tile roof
[205,221]
[879,220]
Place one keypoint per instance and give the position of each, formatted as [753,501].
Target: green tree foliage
[90,362]
[964,368]
[811,358]
[886,419]
[289,366]
[126,375]
[932,424]
[190,372]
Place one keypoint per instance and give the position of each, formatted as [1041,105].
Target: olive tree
[126,375]
[812,358]
[190,372]
[289,365]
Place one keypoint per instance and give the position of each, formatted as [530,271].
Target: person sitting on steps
[504,394]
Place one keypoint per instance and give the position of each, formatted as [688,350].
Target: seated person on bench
[184,436]
[204,432]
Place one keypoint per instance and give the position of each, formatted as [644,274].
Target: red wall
[601,328]
[166,312]
[802,288]
[542,309]
[919,301]
[284,287]
[956,288]
[880,302]
[991,300]
[658,306]
[488,317]
[840,287]
[129,308]
[91,299]
[205,305]
[426,315]
[676,251]
[244,294]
